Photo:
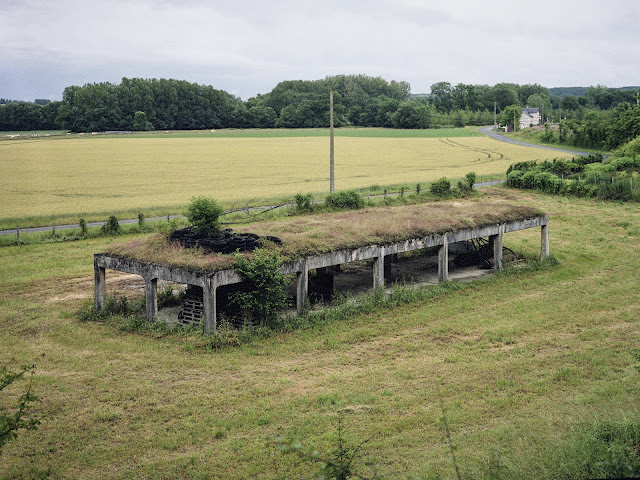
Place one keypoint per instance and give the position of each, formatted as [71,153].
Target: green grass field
[63,179]
[524,362]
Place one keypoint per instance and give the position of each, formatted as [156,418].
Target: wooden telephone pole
[332,186]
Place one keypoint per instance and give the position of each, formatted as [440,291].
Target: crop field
[527,365]
[49,179]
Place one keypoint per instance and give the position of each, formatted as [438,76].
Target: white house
[529,117]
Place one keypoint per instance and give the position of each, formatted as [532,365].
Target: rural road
[502,138]
[485,130]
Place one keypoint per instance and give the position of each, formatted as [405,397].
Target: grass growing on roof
[327,232]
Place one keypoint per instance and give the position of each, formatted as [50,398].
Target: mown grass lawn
[521,362]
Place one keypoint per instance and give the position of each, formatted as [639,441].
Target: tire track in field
[487,152]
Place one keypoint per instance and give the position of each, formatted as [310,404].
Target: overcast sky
[247,46]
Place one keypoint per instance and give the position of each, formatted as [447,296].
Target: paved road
[502,138]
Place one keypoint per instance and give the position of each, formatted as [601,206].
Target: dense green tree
[505,94]
[510,115]
[441,96]
[140,122]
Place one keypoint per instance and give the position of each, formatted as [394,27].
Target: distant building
[529,117]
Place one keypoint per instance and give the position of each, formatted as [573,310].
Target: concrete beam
[443,260]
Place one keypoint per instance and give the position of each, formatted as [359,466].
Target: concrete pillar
[544,242]
[100,287]
[378,270]
[209,306]
[151,290]
[496,241]
[443,260]
[302,288]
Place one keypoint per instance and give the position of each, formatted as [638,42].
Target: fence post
[246,209]
[18,232]
[53,228]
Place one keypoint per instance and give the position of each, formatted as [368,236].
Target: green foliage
[349,200]
[112,227]
[303,202]
[141,123]
[337,465]
[83,227]
[418,189]
[167,297]
[17,417]
[141,220]
[261,296]
[585,176]
[204,213]
[441,187]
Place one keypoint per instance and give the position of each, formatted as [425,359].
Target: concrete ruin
[210,281]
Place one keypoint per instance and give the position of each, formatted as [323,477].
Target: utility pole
[332,186]
[495,115]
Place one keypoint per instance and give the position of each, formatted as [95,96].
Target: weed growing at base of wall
[261,295]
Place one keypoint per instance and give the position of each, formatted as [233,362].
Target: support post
[332,185]
[302,288]
[378,270]
[496,241]
[544,242]
[151,291]
[209,299]
[100,286]
[443,260]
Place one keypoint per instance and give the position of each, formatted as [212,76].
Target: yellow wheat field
[96,175]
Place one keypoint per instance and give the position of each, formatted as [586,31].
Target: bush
[112,227]
[83,227]
[204,213]
[441,187]
[344,201]
[262,294]
[471,179]
[303,202]
[141,220]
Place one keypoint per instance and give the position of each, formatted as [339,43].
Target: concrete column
[302,288]
[496,241]
[544,242]
[100,286]
[209,299]
[378,270]
[151,290]
[443,260]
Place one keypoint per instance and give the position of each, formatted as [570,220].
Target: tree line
[359,100]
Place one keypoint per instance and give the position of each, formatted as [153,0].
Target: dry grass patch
[322,233]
